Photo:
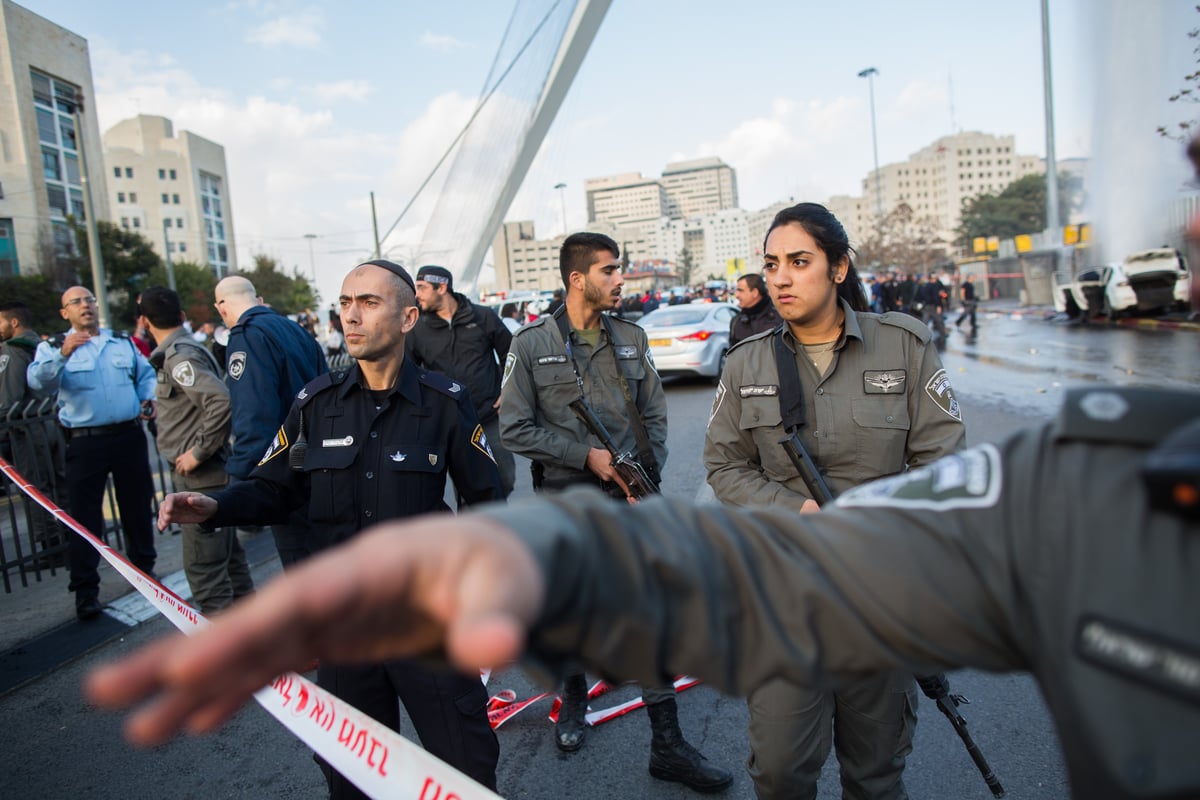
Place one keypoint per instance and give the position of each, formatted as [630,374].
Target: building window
[120,197]
[137,222]
[54,105]
[183,247]
[175,199]
[164,198]
[162,174]
[129,172]
[116,172]
[8,250]
[213,212]
[179,222]
[167,222]
[133,197]
[125,223]
[172,174]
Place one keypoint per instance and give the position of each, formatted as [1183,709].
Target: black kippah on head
[395,269]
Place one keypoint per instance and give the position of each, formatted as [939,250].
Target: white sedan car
[689,339]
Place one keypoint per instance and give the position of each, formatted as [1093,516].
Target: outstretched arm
[400,590]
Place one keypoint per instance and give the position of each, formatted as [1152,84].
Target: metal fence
[32,542]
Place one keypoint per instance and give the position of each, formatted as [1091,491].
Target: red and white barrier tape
[381,762]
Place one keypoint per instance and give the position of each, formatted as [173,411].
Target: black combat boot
[673,759]
[571,727]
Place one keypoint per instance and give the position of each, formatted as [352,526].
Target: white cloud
[441,42]
[302,29]
[799,149]
[332,92]
[919,98]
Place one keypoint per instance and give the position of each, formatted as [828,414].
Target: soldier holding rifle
[875,401]
[579,354]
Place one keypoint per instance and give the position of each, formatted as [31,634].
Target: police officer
[873,401]
[579,351]
[966,293]
[193,428]
[363,445]
[758,312]
[269,359]
[36,448]
[465,342]
[1068,550]
[105,387]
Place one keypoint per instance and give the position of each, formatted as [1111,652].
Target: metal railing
[32,542]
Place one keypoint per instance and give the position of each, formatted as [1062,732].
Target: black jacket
[760,317]
[361,465]
[470,348]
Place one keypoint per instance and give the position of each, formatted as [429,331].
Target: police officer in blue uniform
[363,445]
[105,386]
[269,359]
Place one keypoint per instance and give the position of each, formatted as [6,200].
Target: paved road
[1014,373]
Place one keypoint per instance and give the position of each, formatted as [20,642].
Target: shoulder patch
[277,446]
[479,442]
[942,394]
[184,374]
[970,479]
[510,361]
[438,381]
[4,359]
[318,385]
[898,319]
[237,364]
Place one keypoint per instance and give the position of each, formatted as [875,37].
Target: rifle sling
[645,451]
[791,391]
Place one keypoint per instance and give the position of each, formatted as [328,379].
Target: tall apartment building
[44,68]
[936,180]
[686,189]
[173,189]
[699,186]
[627,200]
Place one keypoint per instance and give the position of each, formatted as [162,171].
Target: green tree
[42,296]
[1189,93]
[128,259]
[1020,208]
[685,267]
[287,295]
[194,284]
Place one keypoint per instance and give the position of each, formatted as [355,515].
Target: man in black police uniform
[363,445]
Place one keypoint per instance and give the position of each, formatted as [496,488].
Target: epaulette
[908,322]
[755,337]
[537,323]
[1135,416]
[438,381]
[320,384]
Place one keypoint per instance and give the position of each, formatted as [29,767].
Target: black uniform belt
[102,430]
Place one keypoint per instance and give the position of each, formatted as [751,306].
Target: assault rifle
[935,687]
[625,464]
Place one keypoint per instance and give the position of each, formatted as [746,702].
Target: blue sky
[319,103]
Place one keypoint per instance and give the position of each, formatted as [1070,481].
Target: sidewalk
[39,630]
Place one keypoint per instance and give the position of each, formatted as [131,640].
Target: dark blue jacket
[268,361]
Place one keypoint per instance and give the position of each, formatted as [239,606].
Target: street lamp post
[99,281]
[312,263]
[167,254]
[1052,221]
[869,73]
[563,197]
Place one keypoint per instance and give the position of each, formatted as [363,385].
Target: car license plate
[660,342]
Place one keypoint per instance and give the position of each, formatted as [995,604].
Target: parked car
[689,339]
[1146,281]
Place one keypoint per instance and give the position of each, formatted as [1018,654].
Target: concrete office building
[523,262]
[700,186]
[627,200]
[172,189]
[936,180]
[44,68]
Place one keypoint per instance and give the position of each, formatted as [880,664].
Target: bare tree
[905,241]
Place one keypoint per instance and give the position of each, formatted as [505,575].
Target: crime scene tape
[378,760]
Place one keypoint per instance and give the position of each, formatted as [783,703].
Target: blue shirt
[103,382]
